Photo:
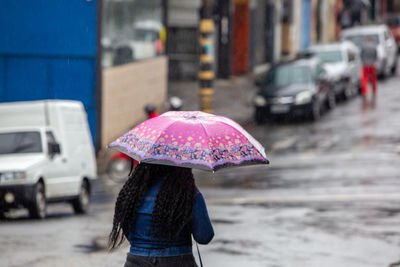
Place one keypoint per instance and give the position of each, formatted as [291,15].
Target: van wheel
[37,209]
[81,203]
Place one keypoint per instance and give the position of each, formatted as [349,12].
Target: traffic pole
[206,73]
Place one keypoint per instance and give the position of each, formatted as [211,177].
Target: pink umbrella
[191,139]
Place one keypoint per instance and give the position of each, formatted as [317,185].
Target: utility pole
[206,74]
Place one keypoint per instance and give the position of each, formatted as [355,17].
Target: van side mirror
[54,148]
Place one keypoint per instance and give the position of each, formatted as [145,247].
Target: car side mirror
[54,148]
[258,81]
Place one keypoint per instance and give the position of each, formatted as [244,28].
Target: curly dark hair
[173,208]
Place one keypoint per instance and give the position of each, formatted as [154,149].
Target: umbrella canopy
[191,139]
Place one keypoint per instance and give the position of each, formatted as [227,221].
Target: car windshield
[20,142]
[286,75]
[360,39]
[331,56]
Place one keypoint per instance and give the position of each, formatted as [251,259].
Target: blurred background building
[116,56]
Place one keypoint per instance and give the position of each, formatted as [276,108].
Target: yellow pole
[206,73]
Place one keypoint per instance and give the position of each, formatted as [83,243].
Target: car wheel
[348,91]
[81,203]
[393,70]
[2,214]
[259,116]
[384,72]
[37,209]
[315,113]
[331,104]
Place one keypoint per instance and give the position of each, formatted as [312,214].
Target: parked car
[393,21]
[343,65]
[46,155]
[296,88]
[384,41]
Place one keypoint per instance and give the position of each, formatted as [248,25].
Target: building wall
[305,24]
[278,30]
[45,53]
[126,91]
[296,30]
[258,32]
[183,13]
[240,37]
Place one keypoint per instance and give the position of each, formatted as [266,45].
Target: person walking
[151,111]
[369,57]
[157,210]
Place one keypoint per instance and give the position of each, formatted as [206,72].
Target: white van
[46,155]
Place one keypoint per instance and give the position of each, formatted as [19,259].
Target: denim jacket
[144,244]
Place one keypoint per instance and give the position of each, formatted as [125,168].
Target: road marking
[306,198]
[327,142]
[284,144]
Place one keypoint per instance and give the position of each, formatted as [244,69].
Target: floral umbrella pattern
[193,140]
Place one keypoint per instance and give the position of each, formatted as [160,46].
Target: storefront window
[132,30]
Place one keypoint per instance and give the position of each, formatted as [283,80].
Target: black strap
[198,251]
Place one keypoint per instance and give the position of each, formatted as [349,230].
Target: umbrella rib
[209,142]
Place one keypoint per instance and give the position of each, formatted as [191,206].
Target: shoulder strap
[198,251]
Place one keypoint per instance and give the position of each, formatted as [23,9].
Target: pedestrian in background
[150,111]
[158,209]
[368,57]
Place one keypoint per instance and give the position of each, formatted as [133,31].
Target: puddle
[87,249]
[222,221]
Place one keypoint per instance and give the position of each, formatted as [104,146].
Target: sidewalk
[232,98]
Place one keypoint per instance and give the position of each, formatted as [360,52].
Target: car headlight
[12,176]
[260,101]
[303,98]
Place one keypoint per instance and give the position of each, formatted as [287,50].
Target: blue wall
[48,51]
[306,24]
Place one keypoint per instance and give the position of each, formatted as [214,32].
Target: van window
[20,142]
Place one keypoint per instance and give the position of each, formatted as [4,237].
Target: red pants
[368,74]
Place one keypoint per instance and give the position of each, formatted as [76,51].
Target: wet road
[329,198]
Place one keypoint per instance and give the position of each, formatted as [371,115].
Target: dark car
[297,88]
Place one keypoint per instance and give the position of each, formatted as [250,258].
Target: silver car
[384,41]
[343,66]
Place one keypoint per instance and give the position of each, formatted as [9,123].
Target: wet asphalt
[330,197]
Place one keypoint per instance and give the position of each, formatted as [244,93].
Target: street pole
[206,73]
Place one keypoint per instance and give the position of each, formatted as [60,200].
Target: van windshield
[20,142]
[358,40]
